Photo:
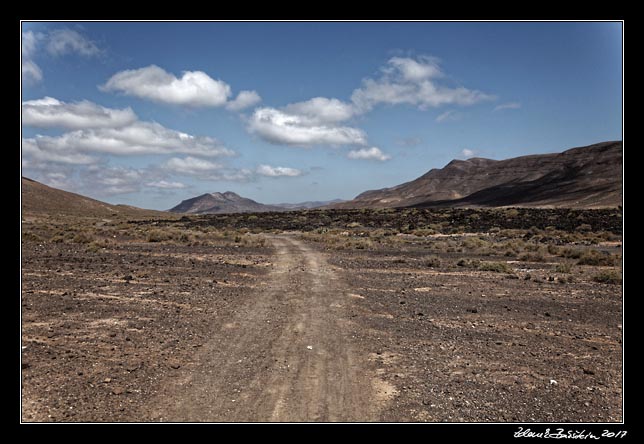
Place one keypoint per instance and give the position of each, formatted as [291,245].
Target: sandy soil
[291,332]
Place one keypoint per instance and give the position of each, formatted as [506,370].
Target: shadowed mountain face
[586,177]
[38,198]
[219,203]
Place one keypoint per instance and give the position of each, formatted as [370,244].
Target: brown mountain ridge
[583,177]
[220,203]
[38,198]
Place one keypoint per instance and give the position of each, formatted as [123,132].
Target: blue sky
[149,114]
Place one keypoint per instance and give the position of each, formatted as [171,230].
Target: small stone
[547,314]
[588,372]
[309,347]
[107,380]
[117,391]
[175,366]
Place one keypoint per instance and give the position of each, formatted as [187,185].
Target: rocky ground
[153,321]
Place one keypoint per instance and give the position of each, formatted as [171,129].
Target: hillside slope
[585,177]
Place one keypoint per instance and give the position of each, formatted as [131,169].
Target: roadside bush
[468,263]
[608,277]
[570,253]
[83,238]
[496,267]
[532,257]
[554,250]
[31,237]
[432,262]
[563,268]
[475,243]
[593,257]
[157,236]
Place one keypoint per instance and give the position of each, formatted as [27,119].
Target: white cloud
[321,111]
[206,170]
[289,128]
[270,171]
[49,112]
[372,153]
[57,180]
[113,180]
[134,139]
[165,185]
[31,72]
[448,116]
[415,70]
[58,42]
[467,153]
[245,99]
[409,81]
[509,105]
[191,166]
[34,155]
[194,88]
[68,41]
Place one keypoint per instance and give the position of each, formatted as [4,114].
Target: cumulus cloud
[414,70]
[467,153]
[165,185]
[245,99]
[413,81]
[194,88]
[372,153]
[134,139]
[57,180]
[49,112]
[270,171]
[34,155]
[448,116]
[191,166]
[509,105]
[302,128]
[67,41]
[321,111]
[109,181]
[31,72]
[110,131]
[58,42]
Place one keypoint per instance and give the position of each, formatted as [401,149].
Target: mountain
[584,177]
[38,198]
[307,205]
[220,203]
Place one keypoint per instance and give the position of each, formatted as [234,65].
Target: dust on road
[287,355]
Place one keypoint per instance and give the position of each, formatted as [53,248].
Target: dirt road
[287,355]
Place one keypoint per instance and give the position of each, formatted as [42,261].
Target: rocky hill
[585,177]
